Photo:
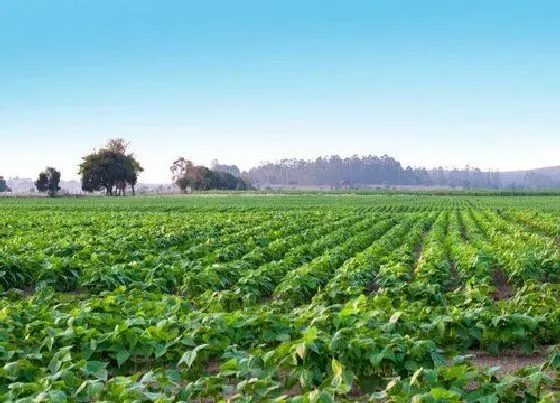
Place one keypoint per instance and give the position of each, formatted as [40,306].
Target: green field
[280,298]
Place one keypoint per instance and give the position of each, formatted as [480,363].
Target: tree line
[367,170]
[113,169]
[198,177]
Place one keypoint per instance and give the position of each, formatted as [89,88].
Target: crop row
[284,304]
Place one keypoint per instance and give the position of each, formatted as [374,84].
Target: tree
[111,167]
[3,185]
[184,173]
[365,170]
[231,169]
[119,146]
[198,177]
[48,181]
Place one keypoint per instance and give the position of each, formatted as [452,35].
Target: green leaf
[300,350]
[122,356]
[415,378]
[159,350]
[189,356]
[411,365]
[283,337]
[97,369]
[389,355]
[395,317]
[132,339]
[306,379]
[444,394]
[310,334]
[229,366]
[337,367]
[380,396]
[493,398]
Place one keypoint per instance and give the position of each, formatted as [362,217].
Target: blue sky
[444,82]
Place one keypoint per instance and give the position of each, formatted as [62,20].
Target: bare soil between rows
[504,290]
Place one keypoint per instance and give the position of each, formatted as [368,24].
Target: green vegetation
[303,298]
[48,181]
[356,172]
[111,167]
[198,177]
[3,185]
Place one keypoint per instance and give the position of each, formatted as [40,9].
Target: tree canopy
[111,169]
[198,177]
[230,169]
[48,181]
[366,170]
[3,185]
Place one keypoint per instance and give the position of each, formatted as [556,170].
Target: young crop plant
[284,298]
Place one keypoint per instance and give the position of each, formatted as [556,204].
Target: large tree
[184,173]
[110,169]
[198,177]
[48,181]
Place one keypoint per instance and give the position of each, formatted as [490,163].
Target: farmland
[280,298]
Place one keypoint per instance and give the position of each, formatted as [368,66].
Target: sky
[431,83]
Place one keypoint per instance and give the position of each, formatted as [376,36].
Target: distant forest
[356,171]
[334,172]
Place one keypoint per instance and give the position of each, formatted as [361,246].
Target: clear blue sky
[430,82]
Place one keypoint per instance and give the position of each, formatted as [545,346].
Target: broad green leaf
[122,356]
[190,355]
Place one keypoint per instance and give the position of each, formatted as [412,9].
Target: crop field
[303,298]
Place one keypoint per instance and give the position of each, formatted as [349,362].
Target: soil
[503,289]
[457,280]
[417,254]
[78,291]
[372,288]
[508,361]
[212,367]
[463,230]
